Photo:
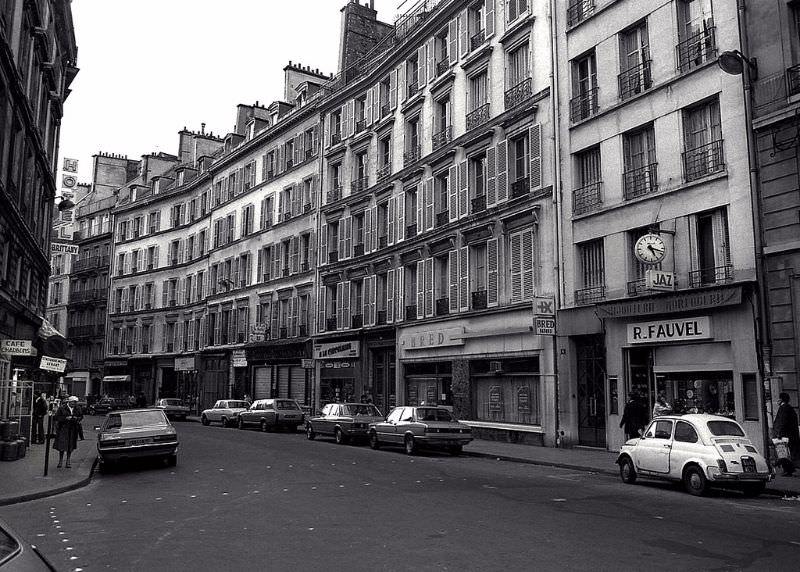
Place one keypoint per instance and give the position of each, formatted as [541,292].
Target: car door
[214,413]
[386,429]
[653,449]
[404,423]
[686,444]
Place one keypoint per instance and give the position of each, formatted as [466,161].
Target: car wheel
[339,436]
[410,445]
[172,460]
[455,450]
[373,440]
[263,426]
[204,420]
[753,489]
[627,472]
[224,421]
[310,432]
[694,481]
[240,423]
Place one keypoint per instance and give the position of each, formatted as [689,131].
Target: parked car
[272,414]
[17,555]
[420,427]
[137,433]
[345,421]
[699,450]
[106,404]
[225,411]
[174,408]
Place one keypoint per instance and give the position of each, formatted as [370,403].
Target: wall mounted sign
[713,298]
[16,347]
[688,329]
[433,339]
[338,350]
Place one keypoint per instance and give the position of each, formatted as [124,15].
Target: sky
[149,68]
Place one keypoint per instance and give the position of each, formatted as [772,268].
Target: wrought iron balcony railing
[442,306]
[519,94]
[361,125]
[442,66]
[411,230]
[411,312]
[360,184]
[330,324]
[713,275]
[333,257]
[477,40]
[635,80]
[640,181]
[334,194]
[381,317]
[479,300]
[336,138]
[579,10]
[583,105]
[384,172]
[520,187]
[357,321]
[442,218]
[590,295]
[587,198]
[442,138]
[383,241]
[696,49]
[385,110]
[413,88]
[411,155]
[478,117]
[303,330]
[358,250]
[704,160]
[478,204]
[637,287]
[793,80]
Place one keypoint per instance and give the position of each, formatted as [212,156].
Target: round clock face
[650,249]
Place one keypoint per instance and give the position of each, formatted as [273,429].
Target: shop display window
[507,391]
[698,392]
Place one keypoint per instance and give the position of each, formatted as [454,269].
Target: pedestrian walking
[785,426]
[661,407]
[68,419]
[40,407]
[634,416]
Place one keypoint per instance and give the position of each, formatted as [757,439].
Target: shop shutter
[297,387]
[492,267]
[283,381]
[463,278]
[535,132]
[262,382]
[452,268]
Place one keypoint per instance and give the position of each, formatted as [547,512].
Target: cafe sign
[683,330]
[16,347]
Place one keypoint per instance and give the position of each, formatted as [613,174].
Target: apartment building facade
[37,64]
[772,31]
[436,222]
[654,155]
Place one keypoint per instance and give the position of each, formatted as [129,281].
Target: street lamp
[64,203]
[732,62]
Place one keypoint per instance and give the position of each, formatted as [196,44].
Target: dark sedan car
[137,433]
[421,427]
[344,421]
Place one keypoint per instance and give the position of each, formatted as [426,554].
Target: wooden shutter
[260,266]
[276,261]
[399,294]
[137,298]
[376,102]
[516,266]
[452,39]
[368,107]
[391,222]
[430,215]
[368,230]
[323,244]
[491,177]
[298,149]
[401,81]
[452,270]
[422,65]
[390,295]
[492,269]
[321,322]
[373,294]
[348,237]
[463,278]
[463,190]
[502,171]
[421,206]
[431,59]
[164,293]
[339,305]
[393,77]
[327,133]
[535,132]
[374,229]
[527,265]
[464,44]
[429,305]
[126,263]
[340,240]
[420,289]
[294,254]
[452,194]
[346,314]
[488,10]
[400,212]
[274,330]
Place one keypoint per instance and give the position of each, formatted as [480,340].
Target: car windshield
[726,428]
[172,402]
[286,404]
[238,404]
[135,419]
[433,414]
[360,409]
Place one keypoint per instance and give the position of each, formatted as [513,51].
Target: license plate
[134,442]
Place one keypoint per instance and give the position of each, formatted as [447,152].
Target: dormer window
[180,175]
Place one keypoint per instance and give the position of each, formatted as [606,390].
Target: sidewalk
[23,480]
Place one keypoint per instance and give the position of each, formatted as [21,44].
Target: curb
[54,491]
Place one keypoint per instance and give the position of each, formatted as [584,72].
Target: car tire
[172,460]
[224,422]
[694,481]
[455,450]
[264,427]
[204,420]
[410,445]
[627,472]
[339,436]
[373,440]
[240,423]
[310,432]
[752,490]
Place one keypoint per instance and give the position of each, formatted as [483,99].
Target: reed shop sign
[687,329]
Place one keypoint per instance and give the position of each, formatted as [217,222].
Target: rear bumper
[716,476]
[137,451]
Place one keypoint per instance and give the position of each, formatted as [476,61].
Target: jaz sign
[660,280]
[687,329]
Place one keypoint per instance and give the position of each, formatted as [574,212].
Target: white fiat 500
[699,450]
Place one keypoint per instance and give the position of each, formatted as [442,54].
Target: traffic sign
[53,364]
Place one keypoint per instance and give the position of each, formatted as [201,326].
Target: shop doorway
[383,390]
[591,353]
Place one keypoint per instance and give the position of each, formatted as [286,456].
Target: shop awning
[116,378]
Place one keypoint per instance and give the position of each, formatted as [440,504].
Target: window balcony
[583,105]
[520,187]
[330,324]
[591,295]
[307,208]
[637,287]
[442,306]
[703,161]
[385,110]
[411,230]
[357,321]
[635,80]
[578,11]
[309,153]
[587,198]
[478,204]
[334,194]
[360,184]
[696,50]
[442,66]
[640,181]
[519,94]
[479,300]
[283,333]
[478,117]
[709,276]
[270,175]
[145,349]
[442,138]
[336,138]
[383,241]
[442,218]
[411,312]
[286,216]
[477,40]
[305,266]
[170,347]
[240,337]
[413,88]
[361,125]
[384,172]
[333,257]
[411,155]
[285,271]
[303,330]
[381,318]
[289,163]
[793,80]
[358,250]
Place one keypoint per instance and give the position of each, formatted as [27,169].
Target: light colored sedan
[136,433]
[345,421]
[271,414]
[699,450]
[174,408]
[225,411]
[420,427]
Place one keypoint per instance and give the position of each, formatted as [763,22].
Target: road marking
[559,500]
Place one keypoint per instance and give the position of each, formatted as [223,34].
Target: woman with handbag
[68,419]
[785,426]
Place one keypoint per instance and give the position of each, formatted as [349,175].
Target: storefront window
[429,384]
[698,392]
[507,391]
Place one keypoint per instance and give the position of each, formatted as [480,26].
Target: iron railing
[793,80]
[477,40]
[361,125]
[330,324]
[519,94]
[640,181]
[478,204]
[384,172]
[383,241]
[712,275]
[381,317]
[336,138]
[359,184]
[587,198]
[385,110]
[479,300]
[637,287]
[696,49]
[478,117]
[411,312]
[704,160]
[412,154]
[357,321]
[358,249]
[442,66]
[578,11]
[413,88]
[333,256]
[635,80]
[520,187]
[334,194]
[583,105]
[590,295]
[442,218]
[442,138]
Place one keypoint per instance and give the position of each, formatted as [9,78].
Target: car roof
[696,417]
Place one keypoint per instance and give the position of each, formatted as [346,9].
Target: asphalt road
[248,500]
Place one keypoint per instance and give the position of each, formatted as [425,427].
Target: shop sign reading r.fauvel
[687,329]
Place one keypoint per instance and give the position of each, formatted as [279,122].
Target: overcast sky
[150,67]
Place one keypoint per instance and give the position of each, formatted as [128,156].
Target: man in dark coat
[68,419]
[785,425]
[40,407]
[633,417]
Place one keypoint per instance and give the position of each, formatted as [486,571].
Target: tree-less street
[249,500]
